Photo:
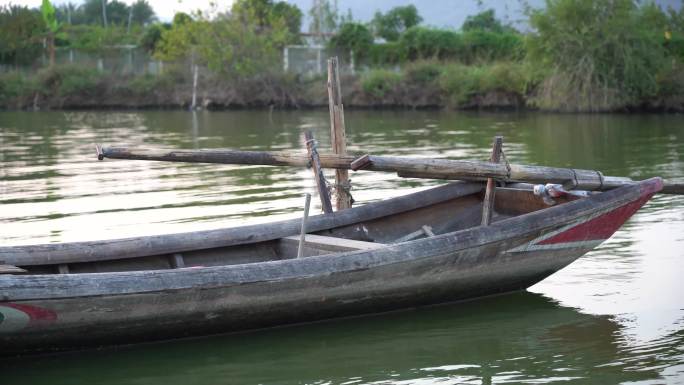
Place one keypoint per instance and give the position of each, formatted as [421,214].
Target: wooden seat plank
[332,243]
[11,269]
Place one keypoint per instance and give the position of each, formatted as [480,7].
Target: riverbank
[421,85]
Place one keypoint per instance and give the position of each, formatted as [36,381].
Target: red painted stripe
[601,227]
[36,314]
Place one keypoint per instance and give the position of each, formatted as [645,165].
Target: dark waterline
[614,316]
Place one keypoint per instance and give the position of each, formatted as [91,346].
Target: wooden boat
[356,261]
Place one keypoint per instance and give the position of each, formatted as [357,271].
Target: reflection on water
[519,338]
[619,316]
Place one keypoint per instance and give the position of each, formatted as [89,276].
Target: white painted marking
[13,319]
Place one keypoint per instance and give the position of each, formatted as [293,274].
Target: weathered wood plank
[302,234]
[11,269]
[490,192]
[338,135]
[332,243]
[47,254]
[321,183]
[177,261]
[55,286]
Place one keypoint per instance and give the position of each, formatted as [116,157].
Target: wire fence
[305,60]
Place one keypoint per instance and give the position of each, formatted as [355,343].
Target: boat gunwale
[134,247]
[334,263]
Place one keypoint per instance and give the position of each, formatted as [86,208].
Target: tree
[324,17]
[483,21]
[152,35]
[352,37]
[600,54]
[268,16]
[52,26]
[392,24]
[105,12]
[290,14]
[142,13]
[245,42]
[22,30]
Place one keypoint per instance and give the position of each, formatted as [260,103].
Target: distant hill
[443,13]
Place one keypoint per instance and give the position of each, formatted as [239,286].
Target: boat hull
[86,310]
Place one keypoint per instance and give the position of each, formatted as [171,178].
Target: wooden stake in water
[488,202]
[337,133]
[302,236]
[193,106]
[321,183]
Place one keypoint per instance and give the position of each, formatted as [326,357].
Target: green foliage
[469,47]
[150,84]
[290,14]
[151,35]
[118,13]
[483,21]
[485,46]
[21,35]
[228,46]
[281,20]
[324,17]
[383,54]
[48,12]
[671,81]
[354,37]
[460,82]
[142,13]
[181,18]
[423,72]
[397,20]
[602,54]
[378,82]
[68,80]
[243,43]
[430,43]
[95,38]
[14,85]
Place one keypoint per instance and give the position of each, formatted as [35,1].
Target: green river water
[614,316]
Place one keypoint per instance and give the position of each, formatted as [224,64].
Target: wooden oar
[405,167]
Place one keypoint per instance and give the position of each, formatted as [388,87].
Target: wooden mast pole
[488,202]
[338,136]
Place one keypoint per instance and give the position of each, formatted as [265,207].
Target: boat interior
[372,226]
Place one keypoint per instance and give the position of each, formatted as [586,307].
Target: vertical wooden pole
[321,183]
[302,235]
[488,203]
[337,133]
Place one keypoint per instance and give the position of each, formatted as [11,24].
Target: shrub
[68,80]
[603,54]
[485,46]
[379,82]
[460,82]
[469,47]
[384,54]
[429,43]
[14,85]
[423,72]
[354,37]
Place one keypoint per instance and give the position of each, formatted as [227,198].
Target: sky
[165,9]
[438,13]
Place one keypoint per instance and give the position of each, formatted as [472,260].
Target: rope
[508,165]
[334,188]
[574,175]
